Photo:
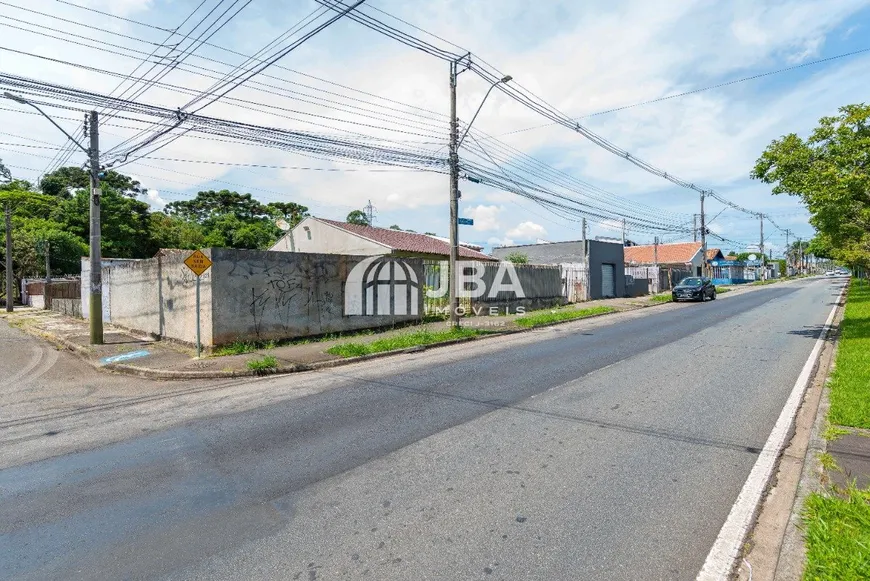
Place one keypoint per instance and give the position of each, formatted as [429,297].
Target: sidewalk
[128,353]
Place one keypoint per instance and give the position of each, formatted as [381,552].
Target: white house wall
[314,236]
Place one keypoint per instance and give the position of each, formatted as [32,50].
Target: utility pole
[694,227]
[800,256]
[787,252]
[703,238]
[45,292]
[8,258]
[96,303]
[623,232]
[585,261]
[761,246]
[453,159]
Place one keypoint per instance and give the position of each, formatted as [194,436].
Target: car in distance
[694,288]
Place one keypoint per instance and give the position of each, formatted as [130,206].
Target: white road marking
[725,551]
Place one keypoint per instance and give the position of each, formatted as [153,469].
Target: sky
[582,58]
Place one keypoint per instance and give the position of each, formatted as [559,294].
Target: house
[606,275]
[681,255]
[319,235]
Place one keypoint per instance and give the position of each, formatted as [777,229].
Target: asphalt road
[599,450]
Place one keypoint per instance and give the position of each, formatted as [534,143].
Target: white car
[830,273]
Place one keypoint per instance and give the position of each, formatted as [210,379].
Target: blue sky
[580,57]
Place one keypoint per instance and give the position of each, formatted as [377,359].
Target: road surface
[605,449]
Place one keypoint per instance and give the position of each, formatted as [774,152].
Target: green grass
[557,315]
[662,298]
[264,364]
[837,535]
[722,289]
[850,382]
[402,341]
[242,347]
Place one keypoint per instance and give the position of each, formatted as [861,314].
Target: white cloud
[527,231]
[496,241]
[485,217]
[152,197]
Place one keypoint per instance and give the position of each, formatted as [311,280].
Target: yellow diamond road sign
[198,262]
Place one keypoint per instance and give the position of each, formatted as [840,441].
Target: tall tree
[358,217]
[63,182]
[830,172]
[291,212]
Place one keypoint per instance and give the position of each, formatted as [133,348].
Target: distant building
[605,271]
[682,255]
[332,237]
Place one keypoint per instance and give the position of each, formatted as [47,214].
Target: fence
[61,289]
[660,278]
[539,282]
[575,279]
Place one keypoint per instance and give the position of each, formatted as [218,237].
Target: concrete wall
[311,235]
[275,295]
[86,285]
[68,307]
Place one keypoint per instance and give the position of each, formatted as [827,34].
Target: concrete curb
[169,374]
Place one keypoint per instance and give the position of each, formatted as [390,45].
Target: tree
[290,212]
[5,174]
[358,217]
[229,219]
[395,227]
[62,182]
[830,173]
[517,258]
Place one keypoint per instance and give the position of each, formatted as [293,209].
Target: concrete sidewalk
[128,353]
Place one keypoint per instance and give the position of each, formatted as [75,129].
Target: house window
[307,231]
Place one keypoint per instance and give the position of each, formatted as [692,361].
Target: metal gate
[608,281]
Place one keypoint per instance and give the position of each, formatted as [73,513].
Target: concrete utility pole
[8,258]
[694,227]
[787,252]
[96,304]
[761,246]
[585,261]
[623,232]
[703,238]
[45,292]
[453,159]
[800,256]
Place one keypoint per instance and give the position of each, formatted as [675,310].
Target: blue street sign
[124,357]
[465,221]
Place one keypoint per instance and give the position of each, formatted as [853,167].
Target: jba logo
[390,286]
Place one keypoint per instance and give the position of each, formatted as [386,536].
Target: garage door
[608,280]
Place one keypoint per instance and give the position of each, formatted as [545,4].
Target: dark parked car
[694,288]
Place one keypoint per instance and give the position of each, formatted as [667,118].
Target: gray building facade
[606,273]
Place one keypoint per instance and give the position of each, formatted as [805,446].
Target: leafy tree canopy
[62,181]
[358,217]
[830,172]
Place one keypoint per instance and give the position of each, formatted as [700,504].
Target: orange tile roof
[679,253]
[714,253]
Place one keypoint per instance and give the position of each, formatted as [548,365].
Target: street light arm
[24,101]
[468,127]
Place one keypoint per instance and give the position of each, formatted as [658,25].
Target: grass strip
[557,315]
[662,298]
[850,382]
[837,535]
[403,341]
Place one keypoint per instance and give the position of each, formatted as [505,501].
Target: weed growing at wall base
[838,535]
[402,341]
[264,364]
